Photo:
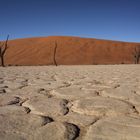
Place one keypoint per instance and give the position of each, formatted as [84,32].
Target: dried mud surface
[70,102]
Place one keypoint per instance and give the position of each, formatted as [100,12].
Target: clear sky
[102,19]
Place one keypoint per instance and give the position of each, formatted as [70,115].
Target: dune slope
[70,51]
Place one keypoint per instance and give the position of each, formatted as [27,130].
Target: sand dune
[70,51]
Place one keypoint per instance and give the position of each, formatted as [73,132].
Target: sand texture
[100,102]
[70,51]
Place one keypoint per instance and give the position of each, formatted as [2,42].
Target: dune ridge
[70,51]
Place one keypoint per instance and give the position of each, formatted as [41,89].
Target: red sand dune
[70,51]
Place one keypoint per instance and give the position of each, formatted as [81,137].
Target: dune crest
[70,51]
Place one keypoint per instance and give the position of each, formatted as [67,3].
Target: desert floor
[100,102]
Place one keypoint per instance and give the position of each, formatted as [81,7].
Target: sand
[95,102]
[70,51]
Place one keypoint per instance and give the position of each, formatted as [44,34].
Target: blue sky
[102,19]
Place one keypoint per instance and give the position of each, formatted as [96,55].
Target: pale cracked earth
[70,103]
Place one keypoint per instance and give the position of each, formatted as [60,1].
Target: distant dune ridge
[70,51]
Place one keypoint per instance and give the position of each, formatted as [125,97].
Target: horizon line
[74,36]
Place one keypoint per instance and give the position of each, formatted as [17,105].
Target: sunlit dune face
[70,51]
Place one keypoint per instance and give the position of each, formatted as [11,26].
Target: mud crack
[73,131]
